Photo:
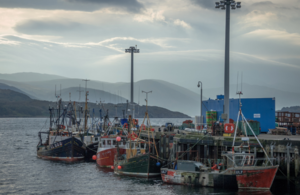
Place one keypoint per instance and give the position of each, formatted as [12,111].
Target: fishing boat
[244,170]
[92,136]
[60,144]
[139,160]
[107,145]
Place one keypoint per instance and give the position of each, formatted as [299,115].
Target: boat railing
[246,159]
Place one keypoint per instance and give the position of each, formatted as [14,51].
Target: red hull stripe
[66,159]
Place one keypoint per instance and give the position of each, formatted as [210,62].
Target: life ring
[132,136]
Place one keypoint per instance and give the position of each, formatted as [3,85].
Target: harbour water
[21,172]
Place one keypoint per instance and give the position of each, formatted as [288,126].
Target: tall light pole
[227,5]
[200,86]
[132,50]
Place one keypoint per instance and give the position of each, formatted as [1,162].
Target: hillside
[4,86]
[164,94]
[29,77]
[291,109]
[14,104]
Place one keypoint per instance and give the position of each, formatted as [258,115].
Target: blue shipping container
[258,109]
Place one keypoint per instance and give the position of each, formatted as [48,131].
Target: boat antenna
[237,82]
[79,90]
[242,82]
[85,83]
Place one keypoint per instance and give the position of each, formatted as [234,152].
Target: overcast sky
[180,41]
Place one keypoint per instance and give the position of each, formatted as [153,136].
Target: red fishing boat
[244,169]
[107,150]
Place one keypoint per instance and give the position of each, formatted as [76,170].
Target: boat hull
[106,156]
[68,150]
[202,179]
[91,150]
[139,166]
[249,178]
[256,178]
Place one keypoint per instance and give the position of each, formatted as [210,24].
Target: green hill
[14,104]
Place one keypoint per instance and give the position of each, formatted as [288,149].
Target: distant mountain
[29,77]
[15,104]
[4,86]
[291,109]
[164,94]
[94,95]
[7,95]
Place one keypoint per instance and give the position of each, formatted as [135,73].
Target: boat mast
[85,112]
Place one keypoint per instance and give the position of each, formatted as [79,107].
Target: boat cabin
[55,136]
[186,165]
[111,142]
[90,139]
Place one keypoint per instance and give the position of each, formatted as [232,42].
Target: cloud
[47,27]
[82,5]
[182,23]
[207,4]
[292,38]
[4,41]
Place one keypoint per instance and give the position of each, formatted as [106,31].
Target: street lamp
[200,86]
[227,4]
[147,95]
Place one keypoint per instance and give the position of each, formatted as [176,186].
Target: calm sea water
[21,172]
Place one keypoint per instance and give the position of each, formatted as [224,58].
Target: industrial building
[258,109]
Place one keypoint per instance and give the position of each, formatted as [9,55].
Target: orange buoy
[94,157]
[112,167]
[119,167]
[118,139]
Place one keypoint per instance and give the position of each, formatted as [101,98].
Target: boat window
[124,142]
[114,142]
[96,138]
[142,145]
[198,164]
[108,142]
[103,142]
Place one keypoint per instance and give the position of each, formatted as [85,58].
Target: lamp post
[200,86]
[227,4]
[147,95]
